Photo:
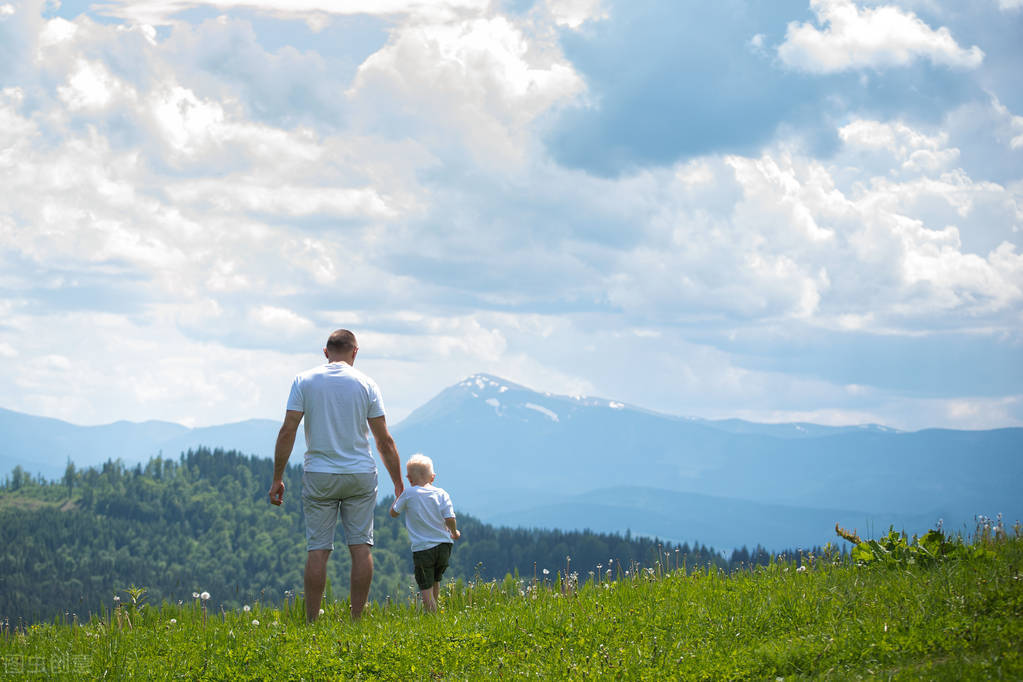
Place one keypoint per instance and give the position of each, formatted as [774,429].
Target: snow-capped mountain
[514,455]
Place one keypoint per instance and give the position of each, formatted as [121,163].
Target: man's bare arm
[282,452]
[388,452]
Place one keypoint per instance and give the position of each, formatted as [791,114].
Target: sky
[775,210]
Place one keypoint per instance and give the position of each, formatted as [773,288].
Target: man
[341,406]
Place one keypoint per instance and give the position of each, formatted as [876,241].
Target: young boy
[430,519]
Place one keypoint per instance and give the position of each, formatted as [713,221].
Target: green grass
[955,619]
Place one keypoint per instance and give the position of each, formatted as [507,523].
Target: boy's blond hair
[419,467]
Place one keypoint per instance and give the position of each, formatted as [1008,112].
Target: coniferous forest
[202,523]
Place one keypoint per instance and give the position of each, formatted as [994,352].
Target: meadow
[896,608]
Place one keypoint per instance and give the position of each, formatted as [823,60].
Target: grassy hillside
[902,611]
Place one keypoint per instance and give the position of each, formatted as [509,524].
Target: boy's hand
[455,534]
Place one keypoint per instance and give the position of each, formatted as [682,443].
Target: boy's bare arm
[452,528]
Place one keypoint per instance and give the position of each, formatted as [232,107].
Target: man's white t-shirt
[337,399]
[426,507]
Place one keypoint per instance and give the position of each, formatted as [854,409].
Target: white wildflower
[546,572]
[204,596]
[321,612]
[255,622]
[246,608]
[195,595]
[801,569]
[173,621]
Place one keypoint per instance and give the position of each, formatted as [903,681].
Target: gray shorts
[325,495]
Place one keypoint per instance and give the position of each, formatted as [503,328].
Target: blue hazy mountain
[41,445]
[512,455]
[515,456]
[720,522]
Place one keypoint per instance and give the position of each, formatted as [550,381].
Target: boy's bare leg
[429,600]
[436,594]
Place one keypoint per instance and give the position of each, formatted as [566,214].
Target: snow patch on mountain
[550,414]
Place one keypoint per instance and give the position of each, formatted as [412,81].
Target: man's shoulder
[311,372]
[336,369]
[361,377]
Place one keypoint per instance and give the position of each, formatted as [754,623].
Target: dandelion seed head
[173,621]
[321,612]
[246,608]
[255,622]
[204,596]
[546,572]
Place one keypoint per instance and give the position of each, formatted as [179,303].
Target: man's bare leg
[429,600]
[362,577]
[315,581]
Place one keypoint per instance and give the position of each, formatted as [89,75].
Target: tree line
[202,522]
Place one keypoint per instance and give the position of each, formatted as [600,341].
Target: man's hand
[399,488]
[277,493]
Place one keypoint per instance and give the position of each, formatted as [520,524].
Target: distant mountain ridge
[41,445]
[515,456]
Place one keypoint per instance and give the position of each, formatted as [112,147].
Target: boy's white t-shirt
[426,507]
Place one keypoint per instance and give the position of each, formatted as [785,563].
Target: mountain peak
[488,382]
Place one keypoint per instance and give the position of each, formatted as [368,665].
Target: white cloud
[804,241]
[154,208]
[56,31]
[1010,5]
[849,37]
[189,124]
[312,11]
[91,86]
[480,82]
[280,320]
[248,194]
[916,151]
[575,13]
[1013,122]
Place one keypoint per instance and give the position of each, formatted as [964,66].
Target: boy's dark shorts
[430,564]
